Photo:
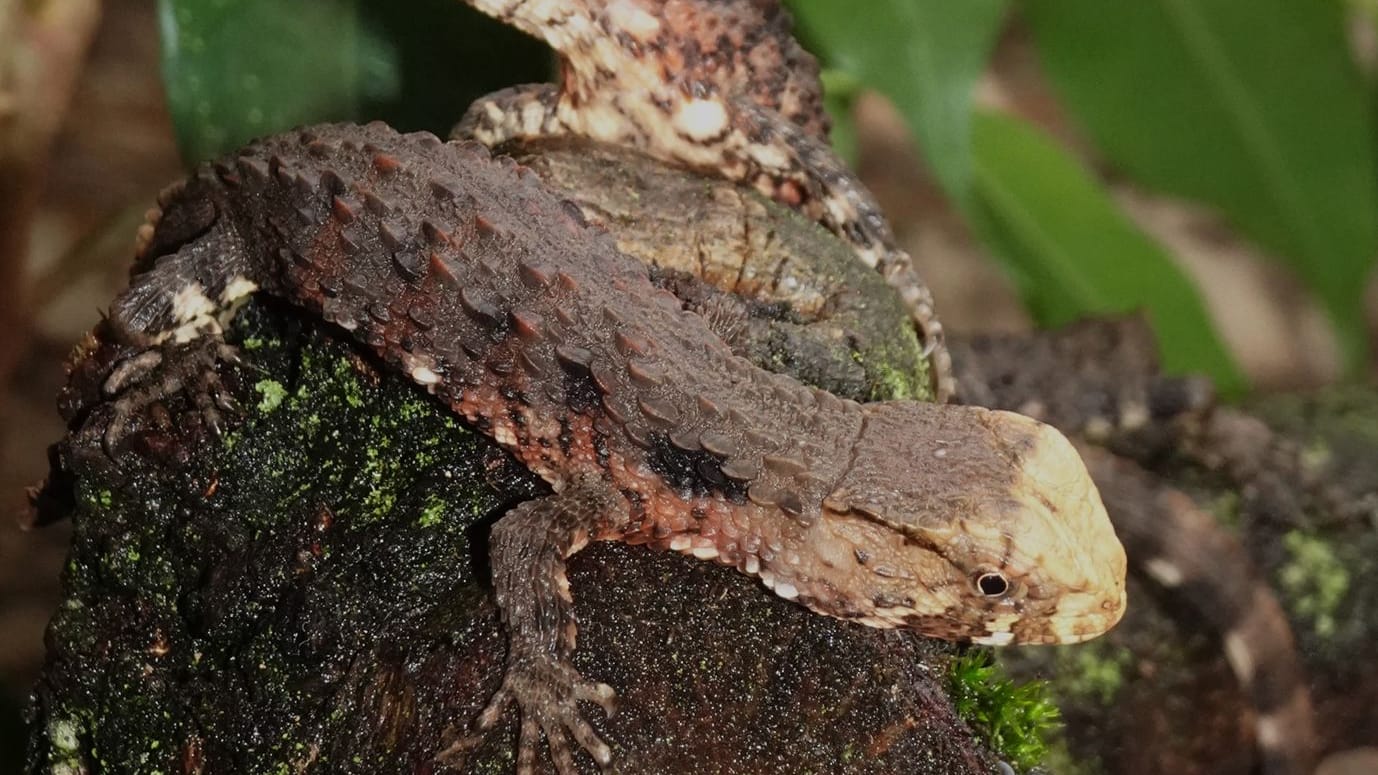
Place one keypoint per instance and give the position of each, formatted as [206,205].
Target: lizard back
[468,275]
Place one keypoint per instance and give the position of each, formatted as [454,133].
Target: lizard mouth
[1078,617]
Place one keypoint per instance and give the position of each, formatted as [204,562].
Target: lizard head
[969,524]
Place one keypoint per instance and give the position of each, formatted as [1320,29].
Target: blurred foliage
[238,69]
[1072,253]
[925,55]
[1253,107]
[234,71]
[840,90]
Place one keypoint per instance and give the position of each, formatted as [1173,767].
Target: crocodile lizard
[718,86]
[1096,380]
[465,273]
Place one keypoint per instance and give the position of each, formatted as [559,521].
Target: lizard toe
[598,693]
[547,693]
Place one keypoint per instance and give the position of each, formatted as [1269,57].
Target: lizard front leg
[528,548]
[172,317]
[154,374]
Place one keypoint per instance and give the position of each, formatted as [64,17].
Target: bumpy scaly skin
[719,86]
[1098,380]
[465,273]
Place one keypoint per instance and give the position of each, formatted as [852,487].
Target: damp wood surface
[309,591]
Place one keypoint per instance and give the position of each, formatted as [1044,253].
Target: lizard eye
[992,584]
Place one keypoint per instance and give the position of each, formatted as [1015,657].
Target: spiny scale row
[743,454]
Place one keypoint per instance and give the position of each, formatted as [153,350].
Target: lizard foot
[143,380]
[546,691]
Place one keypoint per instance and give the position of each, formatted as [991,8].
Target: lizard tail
[1183,550]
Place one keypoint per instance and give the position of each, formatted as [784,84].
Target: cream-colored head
[967,524]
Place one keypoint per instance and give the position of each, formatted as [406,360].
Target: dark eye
[992,584]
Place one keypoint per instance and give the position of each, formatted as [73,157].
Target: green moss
[272,394]
[345,378]
[1015,719]
[320,485]
[94,498]
[1314,580]
[893,363]
[889,383]
[432,513]
[1092,672]
[65,736]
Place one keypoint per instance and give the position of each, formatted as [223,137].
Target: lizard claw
[546,692]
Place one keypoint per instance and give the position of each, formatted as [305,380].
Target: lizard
[468,275]
[720,87]
[1097,381]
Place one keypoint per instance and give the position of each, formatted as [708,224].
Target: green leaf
[1253,106]
[238,70]
[1073,254]
[925,55]
[840,90]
